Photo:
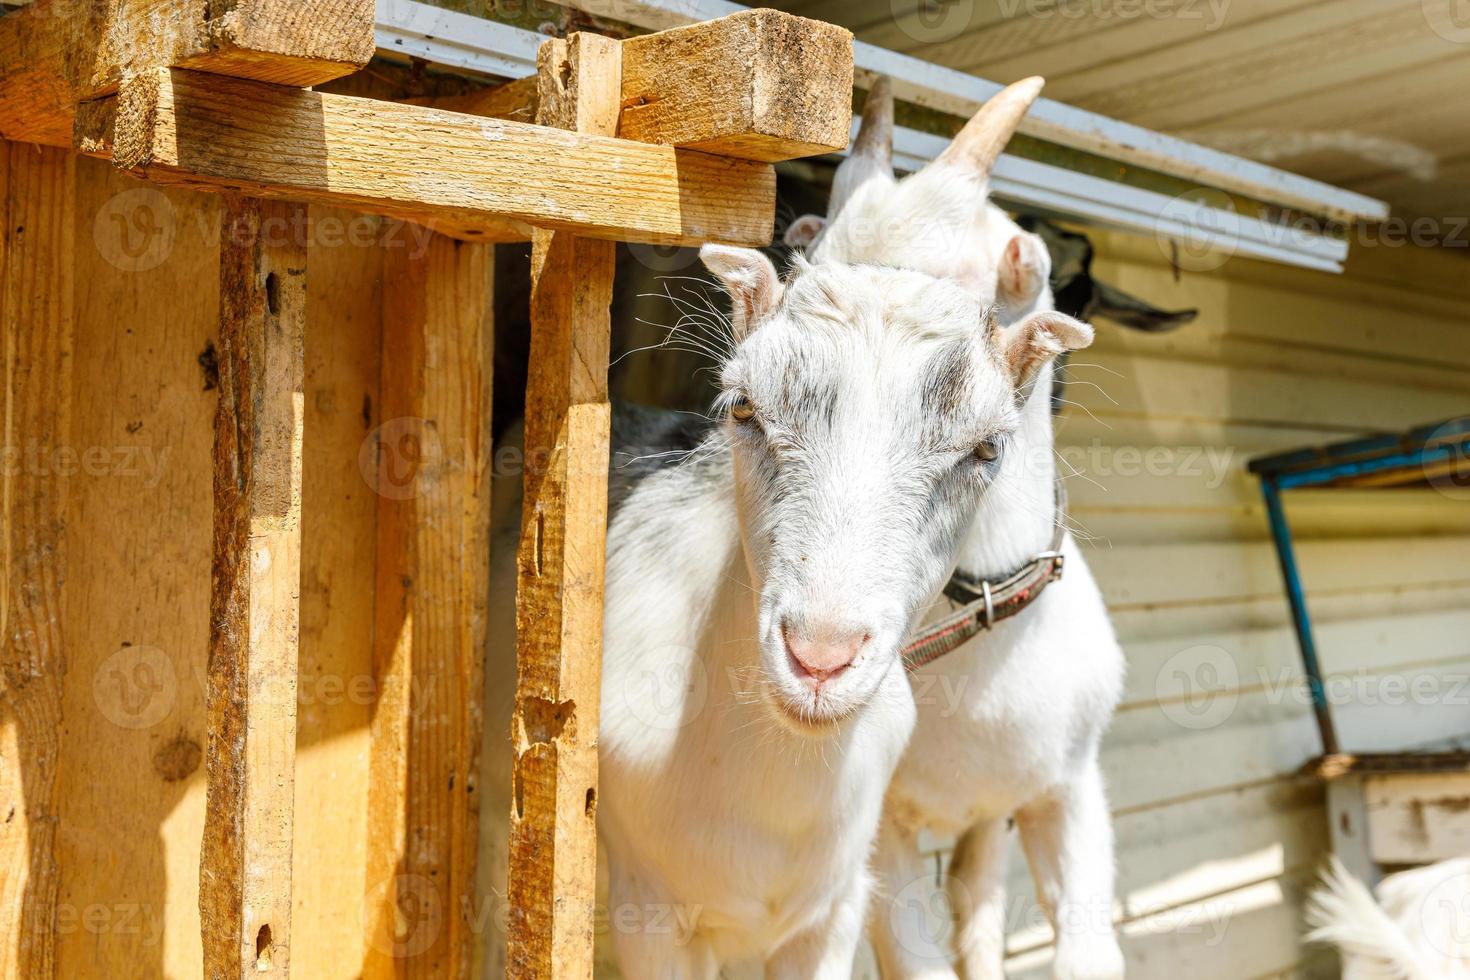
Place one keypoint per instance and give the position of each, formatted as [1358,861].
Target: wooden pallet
[235,564]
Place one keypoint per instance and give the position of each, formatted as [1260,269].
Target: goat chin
[1412,934]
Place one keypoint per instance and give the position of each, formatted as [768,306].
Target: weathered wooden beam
[514,100]
[432,454]
[761,85]
[37,208]
[335,706]
[245,861]
[553,826]
[1418,818]
[465,176]
[57,53]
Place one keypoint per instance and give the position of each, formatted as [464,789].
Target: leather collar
[985,602]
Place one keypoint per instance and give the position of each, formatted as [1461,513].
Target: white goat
[1016,735]
[1419,929]
[759,593]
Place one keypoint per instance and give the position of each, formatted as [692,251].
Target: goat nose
[822,654]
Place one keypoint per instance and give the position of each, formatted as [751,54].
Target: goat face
[867,409]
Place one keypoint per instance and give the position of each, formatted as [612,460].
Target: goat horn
[875,135]
[980,143]
[872,151]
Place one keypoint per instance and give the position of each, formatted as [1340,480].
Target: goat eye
[741,410]
[987,451]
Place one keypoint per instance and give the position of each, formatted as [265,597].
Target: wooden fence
[242,565]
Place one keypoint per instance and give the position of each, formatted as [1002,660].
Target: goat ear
[1026,347]
[749,278]
[1023,271]
[804,230]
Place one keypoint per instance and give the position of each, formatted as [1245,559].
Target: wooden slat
[1218,74]
[56,53]
[762,85]
[466,176]
[432,478]
[1139,387]
[514,100]
[1418,819]
[1256,658]
[131,783]
[338,536]
[245,862]
[37,202]
[553,838]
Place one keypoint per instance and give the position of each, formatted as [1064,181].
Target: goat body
[738,777]
[1416,930]
[757,839]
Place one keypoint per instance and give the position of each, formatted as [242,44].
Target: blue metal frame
[1408,453]
[1286,555]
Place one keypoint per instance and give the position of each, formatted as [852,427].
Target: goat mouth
[811,718]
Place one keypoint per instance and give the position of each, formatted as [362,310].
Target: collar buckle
[1058,562]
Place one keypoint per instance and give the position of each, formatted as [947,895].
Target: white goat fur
[1009,725]
[1415,931]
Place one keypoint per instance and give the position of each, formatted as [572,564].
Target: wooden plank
[1290,394]
[245,862]
[1230,663]
[1205,574]
[1252,63]
[1203,743]
[998,49]
[56,53]
[131,781]
[465,176]
[1223,347]
[338,536]
[514,100]
[432,453]
[37,207]
[1393,279]
[761,85]
[1418,819]
[553,827]
[1349,828]
[757,85]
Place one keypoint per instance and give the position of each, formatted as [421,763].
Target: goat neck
[1017,515]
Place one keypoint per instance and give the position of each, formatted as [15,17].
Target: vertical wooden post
[37,195]
[245,862]
[432,456]
[553,836]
